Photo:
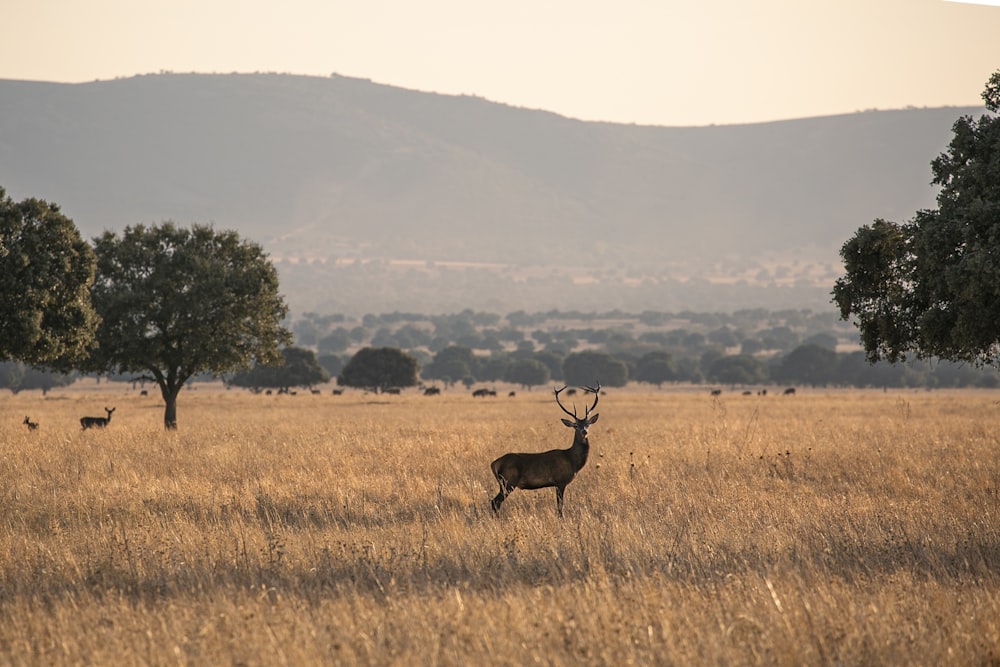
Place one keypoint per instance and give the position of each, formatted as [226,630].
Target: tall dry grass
[849,528]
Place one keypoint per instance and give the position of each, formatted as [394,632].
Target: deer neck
[579,451]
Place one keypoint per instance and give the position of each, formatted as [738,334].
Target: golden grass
[846,528]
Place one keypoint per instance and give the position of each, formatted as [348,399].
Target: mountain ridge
[335,171]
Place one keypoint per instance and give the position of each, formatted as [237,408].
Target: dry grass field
[856,528]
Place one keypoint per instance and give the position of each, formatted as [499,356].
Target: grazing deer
[555,468]
[31,425]
[97,422]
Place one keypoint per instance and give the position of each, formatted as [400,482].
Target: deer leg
[505,490]
[559,499]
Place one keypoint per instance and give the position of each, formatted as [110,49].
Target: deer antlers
[596,391]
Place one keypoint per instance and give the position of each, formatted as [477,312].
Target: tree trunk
[170,411]
[170,386]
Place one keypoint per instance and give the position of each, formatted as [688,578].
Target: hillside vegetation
[372,197]
[746,348]
[847,528]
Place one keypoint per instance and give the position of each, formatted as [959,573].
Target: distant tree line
[17,376]
[380,369]
[751,331]
[748,347]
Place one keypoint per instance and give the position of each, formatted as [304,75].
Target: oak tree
[737,369]
[656,368]
[929,286]
[176,302]
[589,368]
[527,373]
[46,270]
[379,368]
[299,368]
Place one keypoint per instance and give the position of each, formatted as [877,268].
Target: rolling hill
[372,198]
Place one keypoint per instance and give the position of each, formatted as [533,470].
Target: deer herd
[85,422]
[539,470]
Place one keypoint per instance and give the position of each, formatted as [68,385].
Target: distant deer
[31,425]
[556,467]
[97,422]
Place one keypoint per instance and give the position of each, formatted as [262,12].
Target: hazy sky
[664,62]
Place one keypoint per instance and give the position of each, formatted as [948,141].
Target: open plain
[850,528]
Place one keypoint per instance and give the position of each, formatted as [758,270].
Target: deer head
[581,423]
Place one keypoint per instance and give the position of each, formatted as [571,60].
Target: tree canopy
[528,373]
[929,286]
[656,368]
[176,302]
[807,364]
[737,369]
[379,368]
[16,377]
[299,368]
[451,364]
[590,368]
[46,270]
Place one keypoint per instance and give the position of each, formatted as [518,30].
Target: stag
[97,422]
[30,424]
[555,468]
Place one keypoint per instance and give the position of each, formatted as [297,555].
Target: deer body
[30,424]
[96,422]
[556,467]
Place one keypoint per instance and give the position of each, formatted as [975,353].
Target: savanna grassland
[824,528]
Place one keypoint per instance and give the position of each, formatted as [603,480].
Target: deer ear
[593,419]
[569,423]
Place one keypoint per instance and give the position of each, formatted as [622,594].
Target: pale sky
[661,62]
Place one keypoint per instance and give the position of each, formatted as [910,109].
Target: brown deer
[30,424]
[97,422]
[555,468]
